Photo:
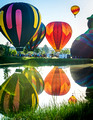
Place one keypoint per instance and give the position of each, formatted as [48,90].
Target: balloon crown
[91,17]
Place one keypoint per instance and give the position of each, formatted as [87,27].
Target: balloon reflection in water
[72,100]
[89,93]
[35,79]
[37,38]
[82,75]
[19,22]
[57,82]
[17,94]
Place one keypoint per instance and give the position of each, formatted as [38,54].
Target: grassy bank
[34,61]
[79,111]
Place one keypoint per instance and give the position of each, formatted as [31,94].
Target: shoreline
[35,61]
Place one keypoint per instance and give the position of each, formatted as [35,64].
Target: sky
[59,10]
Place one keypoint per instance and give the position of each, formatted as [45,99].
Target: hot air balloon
[90,25]
[56,82]
[37,38]
[72,100]
[75,9]
[35,79]
[90,21]
[19,22]
[82,46]
[17,94]
[58,34]
[90,30]
[82,75]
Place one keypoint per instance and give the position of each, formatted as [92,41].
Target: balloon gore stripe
[9,17]
[57,34]
[19,23]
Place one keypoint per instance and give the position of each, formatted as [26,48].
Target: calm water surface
[79,77]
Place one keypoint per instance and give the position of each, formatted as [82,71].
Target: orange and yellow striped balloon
[72,100]
[58,34]
[57,82]
[75,9]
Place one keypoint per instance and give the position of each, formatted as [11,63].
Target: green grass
[35,61]
[79,111]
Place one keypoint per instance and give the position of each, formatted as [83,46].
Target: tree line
[5,50]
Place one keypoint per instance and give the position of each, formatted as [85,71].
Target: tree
[42,51]
[6,73]
[13,52]
[66,51]
[46,49]
[25,50]
[52,52]
[37,50]
[2,50]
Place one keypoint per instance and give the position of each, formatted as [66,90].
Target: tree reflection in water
[6,72]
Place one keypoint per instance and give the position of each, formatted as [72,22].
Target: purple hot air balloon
[82,47]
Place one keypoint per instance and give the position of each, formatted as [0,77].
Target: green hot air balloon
[19,22]
[17,94]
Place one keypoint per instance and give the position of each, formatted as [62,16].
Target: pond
[56,83]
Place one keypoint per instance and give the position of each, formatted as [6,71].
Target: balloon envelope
[37,38]
[83,75]
[19,22]
[57,82]
[90,22]
[82,46]
[89,93]
[72,100]
[90,30]
[58,34]
[35,79]
[17,93]
[75,9]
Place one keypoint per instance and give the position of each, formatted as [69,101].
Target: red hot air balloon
[56,82]
[58,34]
[19,22]
[75,9]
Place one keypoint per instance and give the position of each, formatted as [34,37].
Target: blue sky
[59,10]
